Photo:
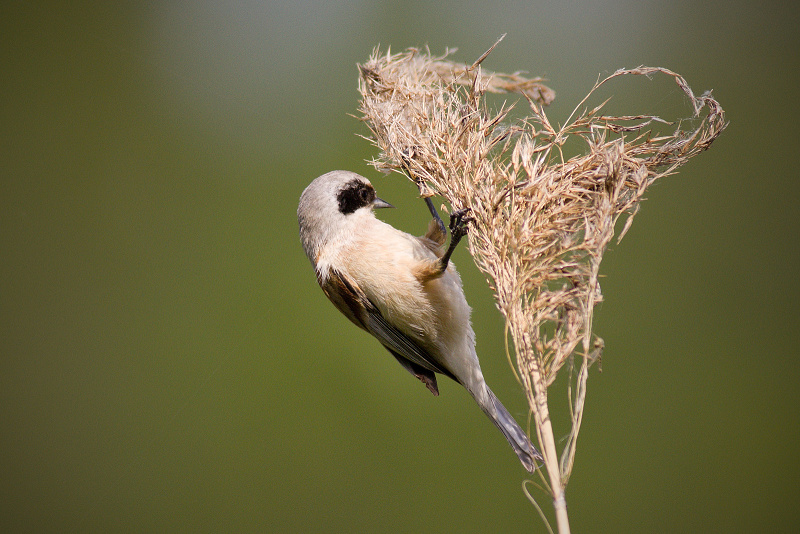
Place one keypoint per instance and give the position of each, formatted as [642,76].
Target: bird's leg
[437,231]
[459,223]
[435,215]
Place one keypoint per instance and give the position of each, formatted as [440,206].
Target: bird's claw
[459,222]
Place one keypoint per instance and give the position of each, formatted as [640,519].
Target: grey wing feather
[397,342]
[352,301]
[425,376]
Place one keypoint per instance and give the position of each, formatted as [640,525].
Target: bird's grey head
[329,203]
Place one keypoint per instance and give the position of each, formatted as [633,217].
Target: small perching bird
[400,288]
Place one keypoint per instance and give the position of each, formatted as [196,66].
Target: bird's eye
[364,194]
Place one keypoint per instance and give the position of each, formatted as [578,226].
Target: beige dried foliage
[541,223]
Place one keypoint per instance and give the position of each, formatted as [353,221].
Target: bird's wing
[354,303]
[425,376]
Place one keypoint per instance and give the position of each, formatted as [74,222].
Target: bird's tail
[519,441]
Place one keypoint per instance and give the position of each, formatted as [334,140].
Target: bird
[401,289]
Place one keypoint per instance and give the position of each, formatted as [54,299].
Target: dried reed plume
[540,224]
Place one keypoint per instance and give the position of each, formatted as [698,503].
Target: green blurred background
[170,365]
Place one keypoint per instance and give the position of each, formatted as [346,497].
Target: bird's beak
[380,203]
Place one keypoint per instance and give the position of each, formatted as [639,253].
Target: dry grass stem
[541,222]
